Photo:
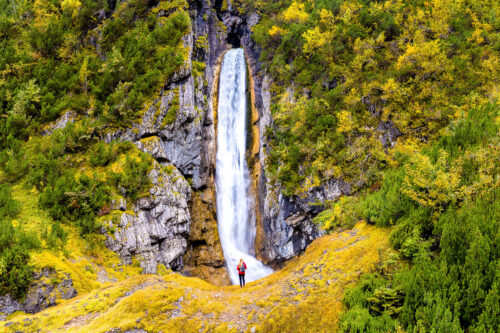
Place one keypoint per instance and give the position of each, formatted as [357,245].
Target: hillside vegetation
[340,69]
[304,296]
[100,66]
[345,74]
[397,98]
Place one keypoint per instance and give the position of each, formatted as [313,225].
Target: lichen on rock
[156,229]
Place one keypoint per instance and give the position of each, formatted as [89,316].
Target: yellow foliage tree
[295,13]
[431,185]
[346,124]
[71,6]
[315,39]
[276,32]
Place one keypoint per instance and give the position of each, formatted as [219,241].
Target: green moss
[171,115]
[202,43]
[169,169]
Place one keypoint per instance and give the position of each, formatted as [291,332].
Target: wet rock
[157,227]
[46,288]
[204,257]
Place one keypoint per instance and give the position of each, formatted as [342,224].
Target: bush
[15,164]
[134,180]
[56,237]
[101,154]
[387,205]
[15,272]
[76,200]
[8,206]
[359,320]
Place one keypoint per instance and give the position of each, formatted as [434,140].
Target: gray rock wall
[178,131]
[155,228]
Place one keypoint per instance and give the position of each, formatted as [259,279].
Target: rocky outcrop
[182,116]
[156,227]
[153,146]
[47,287]
[67,118]
[178,130]
[388,134]
[287,220]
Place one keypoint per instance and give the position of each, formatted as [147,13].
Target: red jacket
[238,268]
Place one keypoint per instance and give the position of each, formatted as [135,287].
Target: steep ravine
[178,130]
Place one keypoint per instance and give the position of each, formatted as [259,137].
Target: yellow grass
[305,296]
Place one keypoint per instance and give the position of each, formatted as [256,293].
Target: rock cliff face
[286,221]
[178,130]
[154,228]
[47,287]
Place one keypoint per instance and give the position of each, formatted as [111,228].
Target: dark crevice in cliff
[234,37]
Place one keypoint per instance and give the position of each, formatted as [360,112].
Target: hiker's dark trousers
[242,279]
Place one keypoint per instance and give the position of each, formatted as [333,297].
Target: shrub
[15,272]
[76,200]
[8,206]
[134,180]
[101,154]
[56,237]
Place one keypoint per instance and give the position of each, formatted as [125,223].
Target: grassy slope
[306,294]
[89,267]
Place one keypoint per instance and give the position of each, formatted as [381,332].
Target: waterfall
[236,227]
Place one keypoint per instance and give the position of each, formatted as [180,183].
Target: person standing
[242,267]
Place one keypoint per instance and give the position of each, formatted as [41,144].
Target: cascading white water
[236,229]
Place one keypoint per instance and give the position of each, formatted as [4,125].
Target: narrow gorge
[187,142]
